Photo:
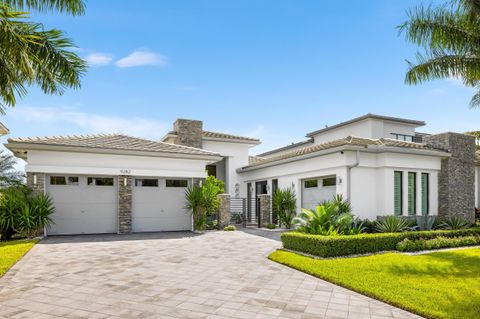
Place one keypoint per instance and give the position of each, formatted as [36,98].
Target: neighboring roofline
[368,116]
[284,148]
[341,148]
[16,147]
[3,129]
[232,139]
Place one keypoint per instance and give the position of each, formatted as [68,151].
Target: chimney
[456,180]
[189,132]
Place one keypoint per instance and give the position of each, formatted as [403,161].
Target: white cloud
[99,58]
[141,58]
[90,123]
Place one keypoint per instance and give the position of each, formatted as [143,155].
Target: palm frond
[74,7]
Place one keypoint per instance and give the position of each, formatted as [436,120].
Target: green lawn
[436,285]
[13,251]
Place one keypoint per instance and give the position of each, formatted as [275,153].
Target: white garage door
[317,190]
[158,204]
[83,204]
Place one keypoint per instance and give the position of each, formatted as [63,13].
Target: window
[212,170]
[412,193]
[177,183]
[146,182]
[425,194]
[331,181]
[398,193]
[100,181]
[311,183]
[274,185]
[58,180]
[402,137]
[63,180]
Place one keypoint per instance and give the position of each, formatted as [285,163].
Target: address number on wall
[125,171]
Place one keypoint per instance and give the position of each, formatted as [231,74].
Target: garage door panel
[83,209]
[159,209]
[313,196]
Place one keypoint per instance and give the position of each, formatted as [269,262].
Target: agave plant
[454,222]
[391,224]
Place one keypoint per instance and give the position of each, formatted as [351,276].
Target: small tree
[284,204]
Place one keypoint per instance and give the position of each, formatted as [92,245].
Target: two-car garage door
[89,204]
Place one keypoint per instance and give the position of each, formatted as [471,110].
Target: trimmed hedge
[437,243]
[333,246]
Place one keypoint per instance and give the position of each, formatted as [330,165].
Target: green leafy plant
[230,228]
[211,225]
[454,222]
[284,205]
[392,224]
[331,218]
[23,212]
[426,222]
[271,226]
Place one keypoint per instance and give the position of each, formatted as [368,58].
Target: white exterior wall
[368,128]
[477,188]
[236,156]
[110,164]
[371,182]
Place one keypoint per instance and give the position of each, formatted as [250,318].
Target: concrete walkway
[172,275]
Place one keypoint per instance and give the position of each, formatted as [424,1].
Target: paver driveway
[177,275]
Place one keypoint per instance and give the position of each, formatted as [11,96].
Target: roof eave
[369,149]
[232,140]
[16,147]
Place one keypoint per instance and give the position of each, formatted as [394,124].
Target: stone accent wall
[224,211]
[124,204]
[456,180]
[189,132]
[265,216]
[39,186]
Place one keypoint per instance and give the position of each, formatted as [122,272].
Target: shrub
[332,246]
[437,243]
[426,222]
[230,228]
[284,205]
[23,212]
[331,218]
[211,225]
[453,222]
[392,224]
[271,226]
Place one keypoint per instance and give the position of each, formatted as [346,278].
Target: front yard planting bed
[435,285]
[333,246]
[13,251]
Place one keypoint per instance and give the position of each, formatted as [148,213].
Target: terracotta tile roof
[350,140]
[252,160]
[228,136]
[112,142]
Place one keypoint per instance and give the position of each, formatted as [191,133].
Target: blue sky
[273,69]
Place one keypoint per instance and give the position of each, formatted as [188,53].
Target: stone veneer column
[36,182]
[189,132]
[265,216]
[456,180]
[125,204]
[224,211]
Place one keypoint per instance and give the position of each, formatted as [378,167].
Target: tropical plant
[230,228]
[211,188]
[342,205]
[31,55]
[8,174]
[392,224]
[426,222]
[450,35]
[24,212]
[454,222]
[284,205]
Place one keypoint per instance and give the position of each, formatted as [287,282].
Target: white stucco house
[120,184]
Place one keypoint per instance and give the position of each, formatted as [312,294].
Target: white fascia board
[369,149]
[228,140]
[214,157]
[114,171]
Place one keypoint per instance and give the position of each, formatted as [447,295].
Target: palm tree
[450,35]
[31,55]
[8,174]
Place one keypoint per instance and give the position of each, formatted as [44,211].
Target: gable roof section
[286,148]
[211,134]
[343,142]
[105,142]
[368,116]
